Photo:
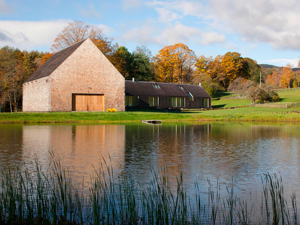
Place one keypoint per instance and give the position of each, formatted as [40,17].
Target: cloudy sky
[265,30]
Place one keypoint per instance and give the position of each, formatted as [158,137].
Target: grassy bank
[221,113]
[94,117]
[36,197]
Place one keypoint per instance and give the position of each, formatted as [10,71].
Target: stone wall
[36,95]
[88,71]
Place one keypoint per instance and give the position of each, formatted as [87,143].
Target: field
[220,113]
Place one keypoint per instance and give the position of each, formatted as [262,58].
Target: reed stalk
[50,197]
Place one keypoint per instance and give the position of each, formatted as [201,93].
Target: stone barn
[78,78]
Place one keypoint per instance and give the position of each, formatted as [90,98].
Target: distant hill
[272,66]
[267,66]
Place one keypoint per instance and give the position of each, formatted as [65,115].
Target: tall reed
[51,197]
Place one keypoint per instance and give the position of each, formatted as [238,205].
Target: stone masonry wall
[87,70]
[36,95]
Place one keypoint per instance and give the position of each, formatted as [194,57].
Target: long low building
[142,94]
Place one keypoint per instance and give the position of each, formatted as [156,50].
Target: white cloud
[90,12]
[5,8]
[283,62]
[174,10]
[142,36]
[129,4]
[276,22]
[189,8]
[166,15]
[178,33]
[212,38]
[184,34]
[30,34]
[106,29]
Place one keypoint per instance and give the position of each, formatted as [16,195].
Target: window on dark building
[176,102]
[156,86]
[153,101]
[191,96]
[131,100]
[205,102]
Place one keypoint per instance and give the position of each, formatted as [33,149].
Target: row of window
[172,101]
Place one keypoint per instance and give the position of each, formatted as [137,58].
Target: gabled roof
[53,62]
[143,88]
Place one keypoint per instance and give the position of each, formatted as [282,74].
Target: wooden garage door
[87,102]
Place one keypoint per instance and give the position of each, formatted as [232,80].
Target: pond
[226,154]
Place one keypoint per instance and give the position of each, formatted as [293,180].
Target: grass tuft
[51,198]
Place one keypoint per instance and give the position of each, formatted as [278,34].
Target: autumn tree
[77,31]
[45,58]
[175,64]
[286,77]
[10,85]
[15,68]
[297,76]
[297,79]
[232,65]
[211,87]
[226,68]
[273,77]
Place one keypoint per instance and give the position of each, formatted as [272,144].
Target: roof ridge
[69,46]
[143,81]
[54,62]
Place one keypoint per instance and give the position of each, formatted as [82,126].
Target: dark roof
[143,88]
[53,62]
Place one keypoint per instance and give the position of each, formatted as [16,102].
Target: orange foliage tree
[274,78]
[45,58]
[175,64]
[232,64]
[222,69]
[286,77]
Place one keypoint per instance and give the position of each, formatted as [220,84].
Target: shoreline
[224,115]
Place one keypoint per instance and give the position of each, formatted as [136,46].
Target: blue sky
[267,31]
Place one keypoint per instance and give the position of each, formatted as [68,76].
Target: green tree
[124,61]
[141,67]
[252,70]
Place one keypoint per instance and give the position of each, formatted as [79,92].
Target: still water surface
[232,154]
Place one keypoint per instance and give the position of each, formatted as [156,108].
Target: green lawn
[289,95]
[226,101]
[230,100]
[94,117]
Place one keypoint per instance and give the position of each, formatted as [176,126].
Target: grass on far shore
[227,100]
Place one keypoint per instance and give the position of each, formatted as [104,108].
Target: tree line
[283,77]
[174,64]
